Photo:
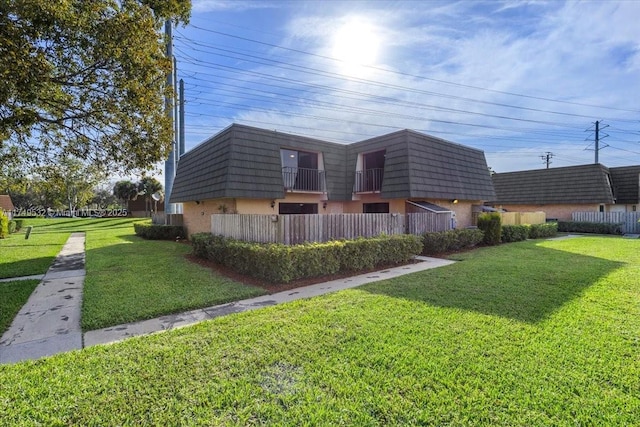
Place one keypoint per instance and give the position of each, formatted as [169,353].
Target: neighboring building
[626,188]
[256,171]
[561,191]
[6,205]
[138,208]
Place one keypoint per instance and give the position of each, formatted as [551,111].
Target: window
[301,171]
[375,208]
[369,177]
[297,208]
[601,208]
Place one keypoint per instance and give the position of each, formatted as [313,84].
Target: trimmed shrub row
[516,233]
[490,224]
[539,231]
[159,232]
[452,240]
[278,263]
[590,227]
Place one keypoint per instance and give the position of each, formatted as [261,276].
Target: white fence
[629,220]
[295,229]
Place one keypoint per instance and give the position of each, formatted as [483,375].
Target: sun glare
[356,44]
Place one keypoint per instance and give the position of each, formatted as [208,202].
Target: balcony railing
[301,179]
[368,180]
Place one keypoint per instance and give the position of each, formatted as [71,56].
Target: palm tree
[125,190]
[147,186]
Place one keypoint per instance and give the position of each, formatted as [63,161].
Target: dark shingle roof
[565,185]
[422,166]
[626,184]
[244,162]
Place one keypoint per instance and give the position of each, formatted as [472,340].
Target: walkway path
[49,322]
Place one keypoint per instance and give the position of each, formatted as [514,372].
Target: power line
[412,75]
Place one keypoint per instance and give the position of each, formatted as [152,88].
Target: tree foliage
[69,183]
[125,190]
[87,78]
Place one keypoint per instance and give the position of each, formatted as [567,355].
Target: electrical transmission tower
[546,157]
[598,137]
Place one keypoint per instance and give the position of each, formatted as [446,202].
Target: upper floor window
[370,172]
[302,170]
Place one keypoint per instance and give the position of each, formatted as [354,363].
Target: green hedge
[452,240]
[491,225]
[279,263]
[13,227]
[159,232]
[4,226]
[590,227]
[539,231]
[515,233]
[19,224]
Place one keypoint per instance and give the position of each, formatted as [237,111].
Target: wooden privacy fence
[427,222]
[295,229]
[629,220]
[518,218]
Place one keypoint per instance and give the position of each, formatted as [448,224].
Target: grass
[13,295]
[22,257]
[525,334]
[129,279]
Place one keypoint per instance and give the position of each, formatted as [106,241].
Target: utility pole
[181,131]
[597,140]
[598,137]
[546,157]
[170,163]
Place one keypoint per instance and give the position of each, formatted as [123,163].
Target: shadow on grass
[522,282]
[27,267]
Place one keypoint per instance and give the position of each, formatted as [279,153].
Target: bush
[490,224]
[538,231]
[279,263]
[4,226]
[452,240]
[590,227]
[159,232]
[515,233]
[12,226]
[19,224]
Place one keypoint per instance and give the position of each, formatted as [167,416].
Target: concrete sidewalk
[121,332]
[49,322]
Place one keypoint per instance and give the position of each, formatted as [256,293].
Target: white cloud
[229,5]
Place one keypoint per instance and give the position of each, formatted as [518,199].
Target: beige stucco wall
[197,216]
[355,206]
[263,206]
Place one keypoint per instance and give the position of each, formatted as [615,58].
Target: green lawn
[129,279]
[13,295]
[22,257]
[526,334]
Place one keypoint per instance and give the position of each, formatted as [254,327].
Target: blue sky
[514,79]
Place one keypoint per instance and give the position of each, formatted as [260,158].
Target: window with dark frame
[375,208]
[297,208]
